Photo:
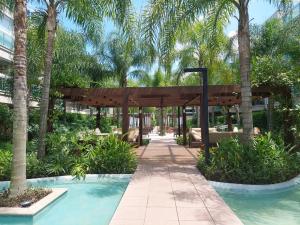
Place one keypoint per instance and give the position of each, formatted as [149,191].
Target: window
[6,41]
[6,24]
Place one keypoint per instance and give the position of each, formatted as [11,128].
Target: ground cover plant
[263,161]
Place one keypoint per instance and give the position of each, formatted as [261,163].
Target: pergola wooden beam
[151,97]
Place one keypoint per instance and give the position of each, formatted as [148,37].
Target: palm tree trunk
[18,176]
[244,56]
[44,104]
[50,114]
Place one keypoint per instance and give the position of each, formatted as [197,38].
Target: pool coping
[54,195]
[253,187]
[36,207]
[88,177]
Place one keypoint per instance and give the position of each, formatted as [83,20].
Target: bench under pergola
[180,96]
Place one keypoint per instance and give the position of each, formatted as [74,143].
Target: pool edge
[253,187]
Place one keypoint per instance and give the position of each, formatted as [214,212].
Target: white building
[6,55]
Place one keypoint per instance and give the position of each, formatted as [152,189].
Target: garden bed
[31,196]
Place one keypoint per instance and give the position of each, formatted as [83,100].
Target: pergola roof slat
[159,96]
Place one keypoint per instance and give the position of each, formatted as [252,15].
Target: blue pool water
[265,208]
[85,203]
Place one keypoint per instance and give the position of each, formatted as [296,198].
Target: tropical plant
[165,18]
[275,51]
[5,164]
[123,58]
[18,176]
[89,15]
[264,160]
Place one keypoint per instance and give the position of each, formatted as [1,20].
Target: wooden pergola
[180,96]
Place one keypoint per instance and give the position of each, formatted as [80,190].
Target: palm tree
[123,58]
[18,177]
[169,17]
[89,14]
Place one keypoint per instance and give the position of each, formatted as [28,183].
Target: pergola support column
[184,125]
[125,118]
[204,115]
[140,126]
[98,117]
[178,119]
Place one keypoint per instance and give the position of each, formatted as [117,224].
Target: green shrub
[112,156]
[264,160]
[6,122]
[179,140]
[5,164]
[34,167]
[69,154]
[260,120]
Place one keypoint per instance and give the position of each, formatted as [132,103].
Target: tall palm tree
[89,14]
[123,58]
[18,177]
[168,17]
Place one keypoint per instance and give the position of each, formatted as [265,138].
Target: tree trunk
[270,113]
[229,119]
[50,115]
[173,117]
[288,122]
[98,117]
[244,57]
[18,175]
[65,111]
[44,103]
[237,112]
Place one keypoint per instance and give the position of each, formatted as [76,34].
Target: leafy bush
[260,120]
[265,160]
[179,140]
[6,122]
[71,154]
[5,164]
[112,156]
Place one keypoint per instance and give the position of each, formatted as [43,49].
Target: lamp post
[204,109]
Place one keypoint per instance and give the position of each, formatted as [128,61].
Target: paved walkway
[167,189]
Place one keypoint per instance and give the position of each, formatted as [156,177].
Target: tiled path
[167,189]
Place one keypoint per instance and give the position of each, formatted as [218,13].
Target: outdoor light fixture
[204,108]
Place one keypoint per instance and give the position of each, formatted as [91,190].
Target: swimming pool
[90,202]
[281,207]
